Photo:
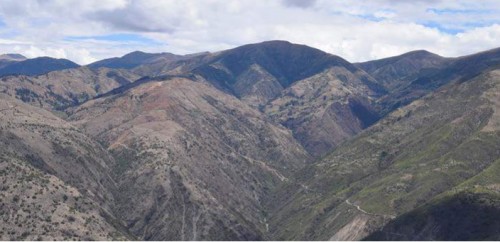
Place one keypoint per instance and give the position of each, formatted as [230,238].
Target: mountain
[443,143]
[173,66]
[327,108]
[267,141]
[12,57]
[257,73]
[192,162]
[430,79]
[322,98]
[133,59]
[58,90]
[9,58]
[36,66]
[55,182]
[397,71]
[286,81]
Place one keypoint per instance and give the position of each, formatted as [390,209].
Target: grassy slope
[470,211]
[410,157]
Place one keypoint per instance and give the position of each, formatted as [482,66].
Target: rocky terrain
[267,141]
[191,161]
[55,179]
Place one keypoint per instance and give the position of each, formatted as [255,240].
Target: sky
[90,30]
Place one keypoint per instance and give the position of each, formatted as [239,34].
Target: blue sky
[121,38]
[86,31]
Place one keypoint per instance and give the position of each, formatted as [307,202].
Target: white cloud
[357,31]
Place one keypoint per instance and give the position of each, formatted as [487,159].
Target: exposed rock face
[60,89]
[55,180]
[192,162]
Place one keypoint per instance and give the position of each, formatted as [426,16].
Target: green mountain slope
[408,158]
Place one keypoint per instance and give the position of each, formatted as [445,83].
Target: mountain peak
[278,44]
[274,42]
[137,54]
[419,54]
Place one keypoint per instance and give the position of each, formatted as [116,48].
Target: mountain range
[266,141]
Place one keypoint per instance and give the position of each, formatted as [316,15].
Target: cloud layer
[85,31]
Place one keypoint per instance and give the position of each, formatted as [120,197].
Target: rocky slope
[55,180]
[192,162]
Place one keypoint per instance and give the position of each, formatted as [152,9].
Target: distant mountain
[173,66]
[133,59]
[12,57]
[36,66]
[429,79]
[7,59]
[397,71]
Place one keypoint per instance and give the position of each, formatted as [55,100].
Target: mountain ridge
[36,66]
